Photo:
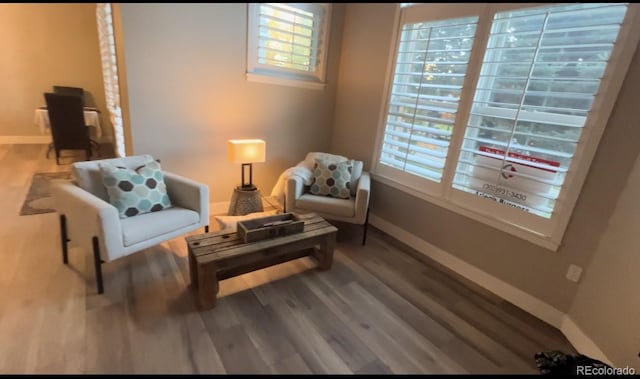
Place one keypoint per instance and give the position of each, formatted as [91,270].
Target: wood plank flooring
[381,308]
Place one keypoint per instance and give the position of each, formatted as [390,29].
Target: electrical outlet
[574,273]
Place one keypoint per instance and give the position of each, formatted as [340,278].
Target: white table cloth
[91,118]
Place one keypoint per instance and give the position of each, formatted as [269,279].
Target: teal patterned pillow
[135,192]
[332,178]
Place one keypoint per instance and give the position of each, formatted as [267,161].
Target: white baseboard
[538,308]
[514,295]
[45,139]
[581,341]
[219,208]
[21,140]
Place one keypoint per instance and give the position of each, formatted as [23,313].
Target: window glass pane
[429,74]
[288,37]
[539,78]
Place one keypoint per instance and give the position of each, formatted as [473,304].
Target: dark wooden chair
[68,129]
[62,90]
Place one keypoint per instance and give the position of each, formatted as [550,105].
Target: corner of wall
[581,341]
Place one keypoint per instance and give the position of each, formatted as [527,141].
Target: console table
[218,255]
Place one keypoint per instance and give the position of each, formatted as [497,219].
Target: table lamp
[247,152]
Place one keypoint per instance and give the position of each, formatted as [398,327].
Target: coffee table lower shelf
[218,256]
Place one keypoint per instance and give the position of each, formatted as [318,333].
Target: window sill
[546,242]
[270,79]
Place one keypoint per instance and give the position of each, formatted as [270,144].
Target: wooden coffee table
[219,255]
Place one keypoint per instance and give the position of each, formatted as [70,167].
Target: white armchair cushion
[150,225]
[89,177]
[327,205]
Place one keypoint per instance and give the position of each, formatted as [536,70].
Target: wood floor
[380,309]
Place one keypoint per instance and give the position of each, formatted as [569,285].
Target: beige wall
[365,51]
[44,45]
[607,304]
[188,95]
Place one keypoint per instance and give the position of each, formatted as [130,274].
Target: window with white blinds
[498,115]
[288,40]
[110,73]
[430,69]
[540,74]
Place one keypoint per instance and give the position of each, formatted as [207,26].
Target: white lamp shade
[247,150]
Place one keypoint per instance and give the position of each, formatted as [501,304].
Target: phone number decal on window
[504,192]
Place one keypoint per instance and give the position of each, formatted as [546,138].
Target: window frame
[270,74]
[547,233]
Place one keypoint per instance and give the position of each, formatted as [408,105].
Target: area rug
[39,198]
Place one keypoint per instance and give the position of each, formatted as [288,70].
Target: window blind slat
[263,29]
[413,139]
[285,64]
[533,149]
[311,57]
[423,128]
[551,119]
[423,172]
[564,95]
[525,134]
[433,108]
[265,18]
[425,97]
[432,161]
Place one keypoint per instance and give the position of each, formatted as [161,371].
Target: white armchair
[89,221]
[354,210]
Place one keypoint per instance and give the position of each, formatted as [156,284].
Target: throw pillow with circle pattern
[332,178]
[135,192]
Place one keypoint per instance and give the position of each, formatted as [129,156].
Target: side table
[244,202]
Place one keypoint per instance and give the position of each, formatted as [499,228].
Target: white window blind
[541,71]
[288,39]
[429,73]
[110,73]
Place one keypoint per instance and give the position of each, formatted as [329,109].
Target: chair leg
[57,157]
[206,228]
[88,153]
[97,146]
[98,264]
[366,225]
[64,239]
[49,149]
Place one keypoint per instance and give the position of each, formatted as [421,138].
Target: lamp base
[247,187]
[244,202]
